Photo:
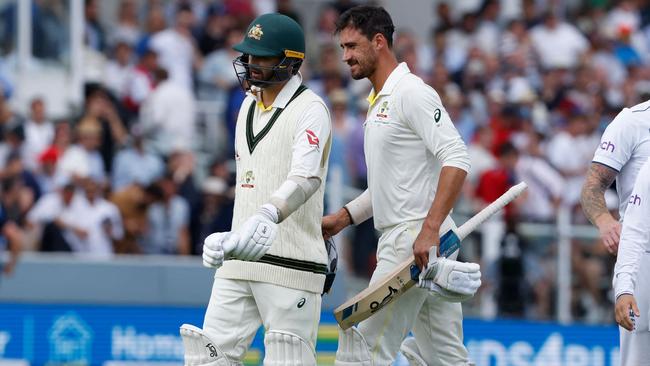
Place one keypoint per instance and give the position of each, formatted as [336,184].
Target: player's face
[358,53]
[260,67]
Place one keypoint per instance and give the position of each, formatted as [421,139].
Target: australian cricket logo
[255,32]
[383,110]
[248,180]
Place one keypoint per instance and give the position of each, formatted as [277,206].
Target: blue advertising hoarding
[38,335]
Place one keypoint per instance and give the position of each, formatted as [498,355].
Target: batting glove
[445,295]
[216,246]
[461,278]
[256,236]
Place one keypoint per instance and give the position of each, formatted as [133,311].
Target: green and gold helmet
[271,35]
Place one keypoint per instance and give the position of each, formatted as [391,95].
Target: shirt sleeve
[311,141]
[425,114]
[617,143]
[635,237]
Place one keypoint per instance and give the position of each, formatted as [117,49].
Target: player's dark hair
[369,20]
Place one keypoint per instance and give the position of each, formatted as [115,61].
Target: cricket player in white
[417,163]
[271,267]
[624,148]
[634,245]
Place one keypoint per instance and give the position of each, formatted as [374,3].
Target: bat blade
[389,288]
[406,274]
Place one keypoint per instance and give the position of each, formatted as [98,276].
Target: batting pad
[200,350]
[287,349]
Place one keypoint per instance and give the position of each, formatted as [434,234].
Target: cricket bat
[405,276]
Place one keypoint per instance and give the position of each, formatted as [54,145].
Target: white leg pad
[353,349]
[200,350]
[411,351]
[283,348]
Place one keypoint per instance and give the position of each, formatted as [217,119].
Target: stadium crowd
[530,92]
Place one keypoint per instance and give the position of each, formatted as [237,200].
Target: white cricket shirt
[635,237]
[625,146]
[408,138]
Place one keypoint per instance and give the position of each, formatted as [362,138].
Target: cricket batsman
[417,164]
[271,268]
[634,245]
[624,148]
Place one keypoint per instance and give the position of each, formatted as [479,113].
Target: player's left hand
[459,277]
[626,310]
[426,239]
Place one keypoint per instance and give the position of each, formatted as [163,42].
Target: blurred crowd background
[144,165]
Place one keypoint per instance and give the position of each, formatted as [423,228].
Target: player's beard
[365,67]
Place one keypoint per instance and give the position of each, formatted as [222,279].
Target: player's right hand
[216,246]
[626,310]
[334,223]
[610,233]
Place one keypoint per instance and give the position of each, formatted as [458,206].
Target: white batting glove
[256,236]
[443,294]
[216,246]
[458,277]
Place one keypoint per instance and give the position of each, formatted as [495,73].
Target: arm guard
[292,194]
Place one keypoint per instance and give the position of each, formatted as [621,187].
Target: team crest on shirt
[255,32]
[383,110]
[248,180]
[382,115]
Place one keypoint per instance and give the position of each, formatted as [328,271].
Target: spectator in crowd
[39,133]
[214,34]
[141,81]
[22,184]
[177,50]
[102,219]
[133,202]
[57,217]
[127,29]
[83,158]
[11,237]
[491,185]
[570,157]
[155,23]
[216,76]
[342,126]
[168,222]
[94,34]
[45,174]
[217,205]
[558,44]
[135,164]
[118,69]
[168,116]
[101,108]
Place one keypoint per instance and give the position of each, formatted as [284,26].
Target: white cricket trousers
[635,346]
[436,325]
[237,308]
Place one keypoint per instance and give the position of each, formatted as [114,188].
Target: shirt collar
[285,94]
[395,76]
